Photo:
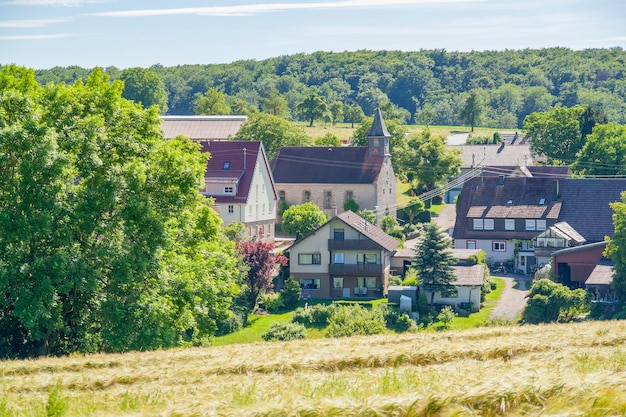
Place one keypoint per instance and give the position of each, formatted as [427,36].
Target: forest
[425,86]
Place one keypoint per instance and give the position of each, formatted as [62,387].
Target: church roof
[378,128]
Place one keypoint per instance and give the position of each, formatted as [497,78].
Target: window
[488,224]
[226,165]
[499,246]
[349,196]
[367,258]
[231,209]
[310,283]
[530,225]
[281,195]
[306,196]
[366,282]
[478,224]
[309,258]
[509,224]
[337,282]
[339,258]
[470,244]
[541,225]
[228,190]
[328,199]
[339,234]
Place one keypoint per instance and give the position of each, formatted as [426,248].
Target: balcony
[352,244]
[355,269]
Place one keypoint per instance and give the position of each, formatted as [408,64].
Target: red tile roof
[368,230]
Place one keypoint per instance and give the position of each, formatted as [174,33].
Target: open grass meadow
[551,370]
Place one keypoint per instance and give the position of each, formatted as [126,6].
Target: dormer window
[226,165]
[542,201]
[228,190]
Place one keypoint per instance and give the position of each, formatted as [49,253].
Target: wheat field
[550,370]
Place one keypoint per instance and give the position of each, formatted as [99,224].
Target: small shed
[396,291]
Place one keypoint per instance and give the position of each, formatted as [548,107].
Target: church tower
[378,137]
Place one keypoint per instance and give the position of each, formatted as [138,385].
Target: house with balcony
[558,236]
[331,176]
[240,183]
[344,258]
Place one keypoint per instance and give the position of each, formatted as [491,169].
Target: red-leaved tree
[262,263]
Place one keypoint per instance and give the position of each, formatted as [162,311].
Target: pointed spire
[378,126]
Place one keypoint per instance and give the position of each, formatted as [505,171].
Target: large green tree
[301,219]
[433,262]
[312,107]
[616,249]
[275,132]
[473,108]
[105,243]
[604,152]
[146,87]
[213,102]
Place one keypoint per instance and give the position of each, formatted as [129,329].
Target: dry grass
[576,369]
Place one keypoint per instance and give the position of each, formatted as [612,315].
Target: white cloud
[37,37]
[21,24]
[64,3]
[250,9]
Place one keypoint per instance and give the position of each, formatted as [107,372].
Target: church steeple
[378,136]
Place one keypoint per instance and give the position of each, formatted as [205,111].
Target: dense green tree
[413,208]
[473,108]
[213,102]
[299,220]
[290,293]
[275,104]
[616,249]
[604,152]
[336,111]
[433,262]
[425,115]
[146,87]
[431,159]
[549,301]
[388,224]
[100,220]
[351,205]
[312,107]
[353,113]
[235,231]
[328,140]
[561,132]
[275,132]
[368,215]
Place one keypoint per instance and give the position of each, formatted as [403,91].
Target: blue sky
[42,34]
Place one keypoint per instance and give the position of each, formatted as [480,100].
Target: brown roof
[202,127]
[467,276]
[368,230]
[505,197]
[326,165]
[239,168]
[601,275]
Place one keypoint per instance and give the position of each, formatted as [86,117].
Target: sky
[41,34]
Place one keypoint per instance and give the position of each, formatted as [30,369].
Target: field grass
[551,370]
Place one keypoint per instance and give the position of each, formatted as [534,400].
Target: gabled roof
[326,165]
[240,159]
[586,205]
[505,198]
[200,128]
[495,155]
[378,129]
[469,275]
[567,232]
[601,275]
[358,223]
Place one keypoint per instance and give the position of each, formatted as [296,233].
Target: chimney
[556,190]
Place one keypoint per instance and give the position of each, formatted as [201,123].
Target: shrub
[395,319]
[446,315]
[284,331]
[395,280]
[311,316]
[273,302]
[230,324]
[355,320]
[290,293]
[410,278]
[549,301]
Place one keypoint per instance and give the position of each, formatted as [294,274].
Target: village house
[330,177]
[345,257]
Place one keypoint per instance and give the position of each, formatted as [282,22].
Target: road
[513,297]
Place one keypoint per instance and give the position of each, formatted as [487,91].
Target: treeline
[428,86]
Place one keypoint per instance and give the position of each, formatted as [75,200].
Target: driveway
[513,298]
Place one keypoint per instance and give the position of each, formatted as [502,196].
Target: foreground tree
[106,243]
[604,152]
[616,249]
[301,219]
[550,301]
[433,262]
[261,264]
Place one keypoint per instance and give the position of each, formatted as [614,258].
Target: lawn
[477,319]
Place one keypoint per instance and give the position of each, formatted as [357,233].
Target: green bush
[395,280]
[284,331]
[273,302]
[230,324]
[355,320]
[290,293]
[312,316]
[395,319]
[446,315]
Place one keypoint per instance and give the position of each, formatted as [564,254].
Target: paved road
[513,299]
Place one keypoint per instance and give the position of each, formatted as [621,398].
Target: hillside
[574,369]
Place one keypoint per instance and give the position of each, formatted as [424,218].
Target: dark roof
[239,168]
[504,198]
[368,230]
[326,165]
[581,248]
[586,205]
[378,128]
[201,127]
[469,275]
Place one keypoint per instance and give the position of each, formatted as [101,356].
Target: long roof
[601,275]
[469,275]
[326,165]
[199,128]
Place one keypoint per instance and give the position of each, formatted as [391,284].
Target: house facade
[239,181]
[344,258]
[329,177]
